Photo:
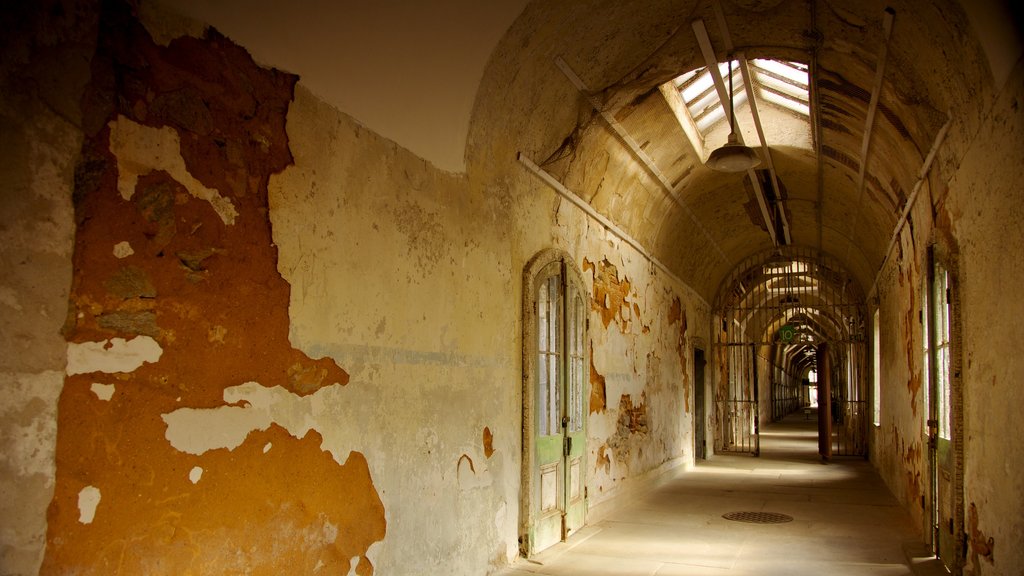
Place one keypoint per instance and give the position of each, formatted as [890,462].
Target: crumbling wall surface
[643,324]
[187,441]
[984,214]
[45,50]
[972,212]
[899,447]
[401,273]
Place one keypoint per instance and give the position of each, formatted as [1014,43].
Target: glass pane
[943,377]
[542,318]
[542,387]
[577,383]
[554,396]
[556,313]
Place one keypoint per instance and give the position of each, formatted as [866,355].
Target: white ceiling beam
[909,204]
[589,210]
[748,86]
[642,156]
[745,72]
[869,123]
[723,96]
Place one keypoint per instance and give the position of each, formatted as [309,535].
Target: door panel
[558,500]
[575,420]
[945,517]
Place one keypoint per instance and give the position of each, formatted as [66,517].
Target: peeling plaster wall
[900,443]
[973,211]
[984,214]
[642,328]
[44,66]
[176,317]
[401,273]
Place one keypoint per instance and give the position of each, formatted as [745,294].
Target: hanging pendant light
[732,156]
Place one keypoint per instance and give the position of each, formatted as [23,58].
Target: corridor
[845,520]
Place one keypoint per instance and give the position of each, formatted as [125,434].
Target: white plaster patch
[252,407]
[195,474]
[88,500]
[266,447]
[110,356]
[28,444]
[123,250]
[141,149]
[103,391]
[9,297]
[499,517]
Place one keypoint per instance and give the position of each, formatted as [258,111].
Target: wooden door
[558,501]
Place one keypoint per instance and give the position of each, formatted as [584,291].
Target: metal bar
[704,41]
[909,204]
[590,211]
[748,87]
[815,111]
[644,158]
[757,411]
[865,146]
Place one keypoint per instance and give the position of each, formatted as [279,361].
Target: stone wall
[971,213]
[46,48]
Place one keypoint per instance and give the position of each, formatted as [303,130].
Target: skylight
[776,84]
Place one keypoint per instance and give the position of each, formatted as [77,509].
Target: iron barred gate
[771,317]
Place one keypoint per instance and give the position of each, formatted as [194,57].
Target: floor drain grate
[758,517]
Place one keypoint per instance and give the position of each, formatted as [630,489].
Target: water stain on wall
[598,401]
[914,382]
[911,461]
[488,441]
[631,427]
[610,294]
[201,281]
[979,546]
[676,314]
[603,460]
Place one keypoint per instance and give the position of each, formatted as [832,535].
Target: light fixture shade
[733,157]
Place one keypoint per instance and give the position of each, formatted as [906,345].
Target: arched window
[554,392]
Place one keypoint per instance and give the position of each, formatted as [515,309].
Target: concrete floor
[845,521]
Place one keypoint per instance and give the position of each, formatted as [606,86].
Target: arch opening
[783,316]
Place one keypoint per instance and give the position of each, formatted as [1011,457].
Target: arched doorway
[553,499]
[783,318]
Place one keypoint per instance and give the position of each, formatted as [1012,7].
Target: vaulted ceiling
[574,87]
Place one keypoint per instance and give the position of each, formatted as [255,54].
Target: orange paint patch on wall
[610,293]
[210,295]
[603,460]
[979,545]
[598,401]
[488,442]
[676,314]
[911,462]
[914,383]
[633,417]
[253,510]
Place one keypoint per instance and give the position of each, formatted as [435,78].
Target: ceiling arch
[701,223]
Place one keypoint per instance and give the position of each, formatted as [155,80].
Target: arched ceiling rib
[623,52]
[431,77]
